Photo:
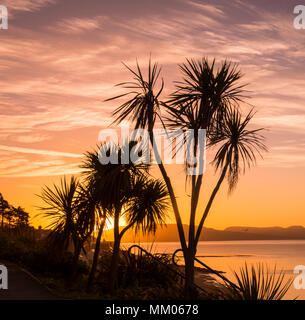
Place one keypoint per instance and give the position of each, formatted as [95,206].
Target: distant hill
[170,234]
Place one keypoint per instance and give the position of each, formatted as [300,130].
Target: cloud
[56,76]
[281,160]
[40,152]
[296,122]
[33,169]
[207,8]
[77,25]
[31,138]
[26,5]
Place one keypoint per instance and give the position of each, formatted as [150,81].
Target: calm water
[231,255]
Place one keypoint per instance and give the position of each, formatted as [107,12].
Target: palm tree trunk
[191,252]
[212,197]
[171,193]
[77,250]
[190,291]
[96,254]
[115,253]
[188,264]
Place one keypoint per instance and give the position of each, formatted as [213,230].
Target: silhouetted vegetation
[259,283]
[78,208]
[12,217]
[207,98]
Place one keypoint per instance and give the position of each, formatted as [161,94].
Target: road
[22,286]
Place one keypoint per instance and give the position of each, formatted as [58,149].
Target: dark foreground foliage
[140,277]
[35,255]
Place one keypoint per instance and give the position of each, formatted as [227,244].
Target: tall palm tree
[126,191]
[205,99]
[143,108]
[201,101]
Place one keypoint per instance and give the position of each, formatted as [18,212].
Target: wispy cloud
[36,169]
[26,5]
[77,25]
[40,152]
[56,76]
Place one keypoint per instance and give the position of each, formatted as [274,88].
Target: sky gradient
[59,61]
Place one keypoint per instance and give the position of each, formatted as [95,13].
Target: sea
[230,256]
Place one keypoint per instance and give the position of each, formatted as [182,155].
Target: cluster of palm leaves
[126,190]
[72,215]
[108,191]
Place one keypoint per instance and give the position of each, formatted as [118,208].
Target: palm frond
[147,204]
[259,283]
[59,208]
[239,146]
[204,94]
[144,105]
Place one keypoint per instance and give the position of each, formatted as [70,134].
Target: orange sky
[60,59]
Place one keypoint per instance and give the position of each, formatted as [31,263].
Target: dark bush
[34,255]
[141,276]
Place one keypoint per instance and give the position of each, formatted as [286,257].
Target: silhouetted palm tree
[144,108]
[125,190]
[72,207]
[60,208]
[202,101]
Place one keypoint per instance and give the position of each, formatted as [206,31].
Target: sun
[109,224]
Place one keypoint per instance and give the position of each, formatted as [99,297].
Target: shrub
[141,276]
[35,256]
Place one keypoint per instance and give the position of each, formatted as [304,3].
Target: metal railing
[208,268]
[182,276]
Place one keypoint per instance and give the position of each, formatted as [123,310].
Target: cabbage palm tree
[143,108]
[60,209]
[126,191]
[202,100]
[71,207]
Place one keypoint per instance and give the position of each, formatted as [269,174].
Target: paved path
[21,286]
